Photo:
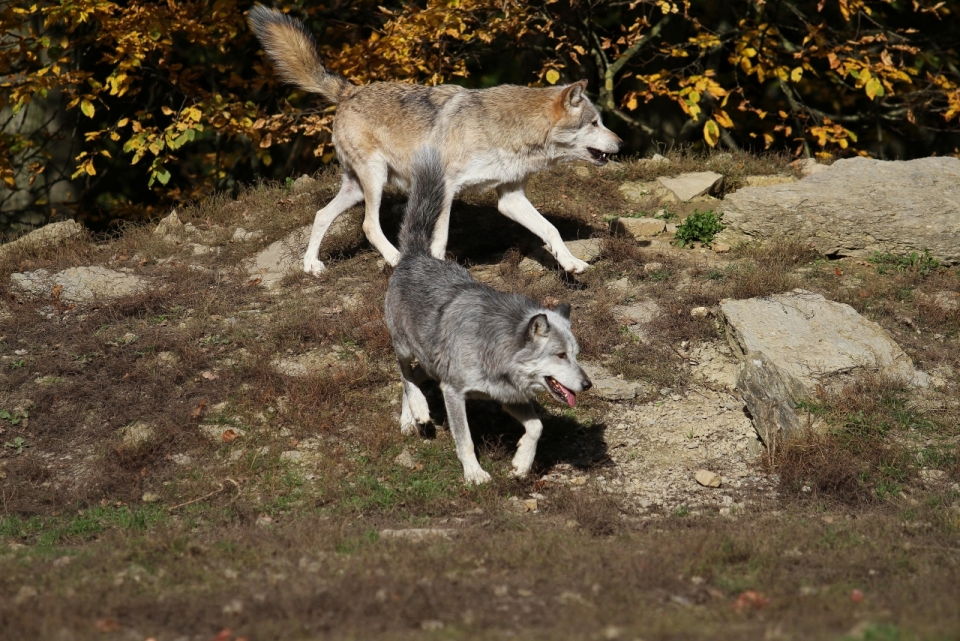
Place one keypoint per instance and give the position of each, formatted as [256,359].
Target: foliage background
[114,111]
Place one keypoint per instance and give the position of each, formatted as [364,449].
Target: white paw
[475,476]
[522,465]
[392,257]
[573,265]
[420,410]
[313,266]
[408,428]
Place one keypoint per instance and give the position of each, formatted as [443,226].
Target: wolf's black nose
[586,384]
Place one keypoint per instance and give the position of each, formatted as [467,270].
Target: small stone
[700,312]
[587,250]
[291,456]
[583,172]
[530,505]
[431,625]
[638,227]
[416,534]
[659,158]
[170,227]
[707,478]
[689,185]
[24,594]
[405,459]
[242,235]
[150,497]
[721,248]
[652,267]
[136,435]
[303,183]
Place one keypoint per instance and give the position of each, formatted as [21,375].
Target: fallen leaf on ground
[198,411]
[228,435]
[856,596]
[106,624]
[750,599]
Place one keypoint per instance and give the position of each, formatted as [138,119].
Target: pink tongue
[567,394]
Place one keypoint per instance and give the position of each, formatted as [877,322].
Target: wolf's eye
[562,356]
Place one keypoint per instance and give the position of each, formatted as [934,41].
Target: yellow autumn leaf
[87,108]
[711,133]
[723,119]
[796,74]
[552,76]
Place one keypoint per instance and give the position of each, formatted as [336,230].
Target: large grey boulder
[860,206]
[78,285]
[791,344]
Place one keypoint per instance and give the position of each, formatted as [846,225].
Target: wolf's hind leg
[441,231]
[415,411]
[527,448]
[373,178]
[349,195]
[514,205]
[460,429]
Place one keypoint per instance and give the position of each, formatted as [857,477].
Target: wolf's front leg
[514,205]
[457,418]
[527,448]
[349,195]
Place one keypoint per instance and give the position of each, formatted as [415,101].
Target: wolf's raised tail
[426,201]
[294,52]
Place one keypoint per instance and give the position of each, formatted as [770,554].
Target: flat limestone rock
[78,285]
[811,338]
[690,185]
[280,258]
[789,344]
[52,234]
[860,206]
[638,227]
[609,387]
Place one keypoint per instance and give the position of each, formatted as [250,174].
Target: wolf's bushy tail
[427,195]
[294,52]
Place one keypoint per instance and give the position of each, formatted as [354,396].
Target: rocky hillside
[764,338]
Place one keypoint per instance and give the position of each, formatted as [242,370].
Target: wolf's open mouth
[560,392]
[599,156]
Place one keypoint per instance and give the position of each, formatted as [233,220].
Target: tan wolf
[492,138]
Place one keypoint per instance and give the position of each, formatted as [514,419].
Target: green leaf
[163,176]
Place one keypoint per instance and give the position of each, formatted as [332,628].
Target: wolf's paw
[313,266]
[520,471]
[574,265]
[408,428]
[476,476]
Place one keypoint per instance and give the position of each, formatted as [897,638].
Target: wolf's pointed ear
[538,327]
[563,310]
[572,96]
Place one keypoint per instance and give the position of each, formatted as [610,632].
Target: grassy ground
[160,478]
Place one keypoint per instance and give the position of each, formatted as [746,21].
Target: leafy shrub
[699,227]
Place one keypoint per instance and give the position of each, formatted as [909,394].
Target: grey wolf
[475,341]
[493,138]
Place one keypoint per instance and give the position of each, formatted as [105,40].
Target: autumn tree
[115,109]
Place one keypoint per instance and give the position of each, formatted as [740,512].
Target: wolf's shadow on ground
[496,433]
[479,234]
